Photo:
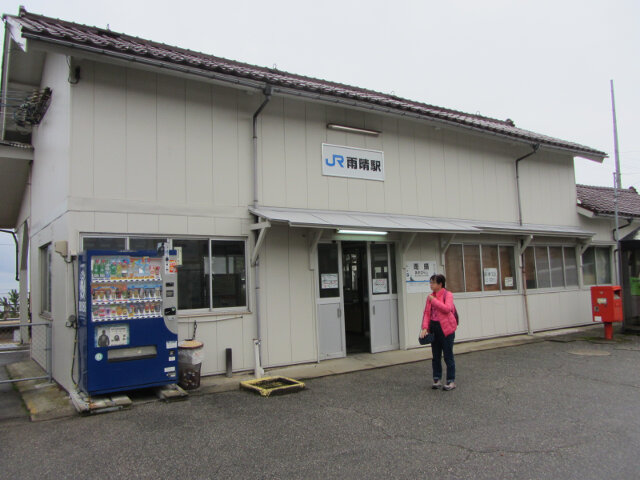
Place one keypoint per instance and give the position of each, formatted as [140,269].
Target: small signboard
[380,285]
[341,161]
[490,276]
[112,335]
[418,273]
[328,281]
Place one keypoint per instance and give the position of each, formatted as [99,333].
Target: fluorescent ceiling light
[362,232]
[345,128]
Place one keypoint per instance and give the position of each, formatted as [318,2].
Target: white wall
[127,151]
[49,173]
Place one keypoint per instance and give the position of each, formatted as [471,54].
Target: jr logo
[339,159]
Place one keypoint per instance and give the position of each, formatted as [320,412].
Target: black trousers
[440,345]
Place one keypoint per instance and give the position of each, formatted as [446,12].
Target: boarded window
[472,273]
[453,264]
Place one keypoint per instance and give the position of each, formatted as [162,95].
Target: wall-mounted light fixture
[345,128]
[362,232]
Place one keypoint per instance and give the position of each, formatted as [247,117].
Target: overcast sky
[544,64]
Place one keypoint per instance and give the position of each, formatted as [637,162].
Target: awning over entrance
[14,165]
[298,217]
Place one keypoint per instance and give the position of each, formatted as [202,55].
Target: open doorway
[356,297]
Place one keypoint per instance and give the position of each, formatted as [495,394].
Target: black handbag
[426,340]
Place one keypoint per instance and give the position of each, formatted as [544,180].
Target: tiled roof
[600,200]
[112,43]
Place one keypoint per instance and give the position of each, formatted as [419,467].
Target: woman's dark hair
[439,279]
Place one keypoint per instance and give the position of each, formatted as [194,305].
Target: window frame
[209,238]
[610,256]
[554,288]
[46,294]
[483,292]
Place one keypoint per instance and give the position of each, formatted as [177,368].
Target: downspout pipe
[257,342]
[15,240]
[522,262]
[267,97]
[518,160]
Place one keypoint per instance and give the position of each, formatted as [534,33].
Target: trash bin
[190,356]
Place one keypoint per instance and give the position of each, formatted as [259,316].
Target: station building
[308,214]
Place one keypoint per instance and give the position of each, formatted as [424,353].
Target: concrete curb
[43,400]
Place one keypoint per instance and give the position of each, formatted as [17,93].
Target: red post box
[606,307]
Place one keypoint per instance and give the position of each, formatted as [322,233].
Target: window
[550,267]
[229,277]
[104,243]
[570,266]
[480,268]
[379,269]
[471,262]
[454,268]
[543,273]
[213,274]
[507,269]
[596,266]
[531,280]
[328,270]
[45,278]
[193,274]
[139,243]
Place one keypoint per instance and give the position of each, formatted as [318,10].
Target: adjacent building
[308,214]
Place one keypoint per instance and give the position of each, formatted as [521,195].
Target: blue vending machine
[127,313]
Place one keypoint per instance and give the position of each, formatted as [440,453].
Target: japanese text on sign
[418,273]
[339,161]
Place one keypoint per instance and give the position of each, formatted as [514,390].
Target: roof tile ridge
[24,14]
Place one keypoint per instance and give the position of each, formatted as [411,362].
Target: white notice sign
[418,274]
[329,280]
[508,281]
[490,276]
[380,285]
[339,161]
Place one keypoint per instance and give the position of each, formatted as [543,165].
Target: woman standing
[438,318]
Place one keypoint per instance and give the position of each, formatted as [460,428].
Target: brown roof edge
[114,44]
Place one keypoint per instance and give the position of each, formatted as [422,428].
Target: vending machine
[127,320]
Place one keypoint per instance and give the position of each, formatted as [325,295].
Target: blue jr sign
[341,161]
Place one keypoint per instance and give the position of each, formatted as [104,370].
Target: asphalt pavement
[547,410]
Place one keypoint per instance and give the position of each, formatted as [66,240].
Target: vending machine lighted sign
[128,329]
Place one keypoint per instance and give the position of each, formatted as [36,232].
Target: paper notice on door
[328,280]
[380,285]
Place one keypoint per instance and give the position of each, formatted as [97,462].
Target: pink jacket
[441,309]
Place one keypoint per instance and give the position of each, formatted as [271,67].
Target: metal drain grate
[268,386]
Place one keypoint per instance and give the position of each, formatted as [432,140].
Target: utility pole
[617,184]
